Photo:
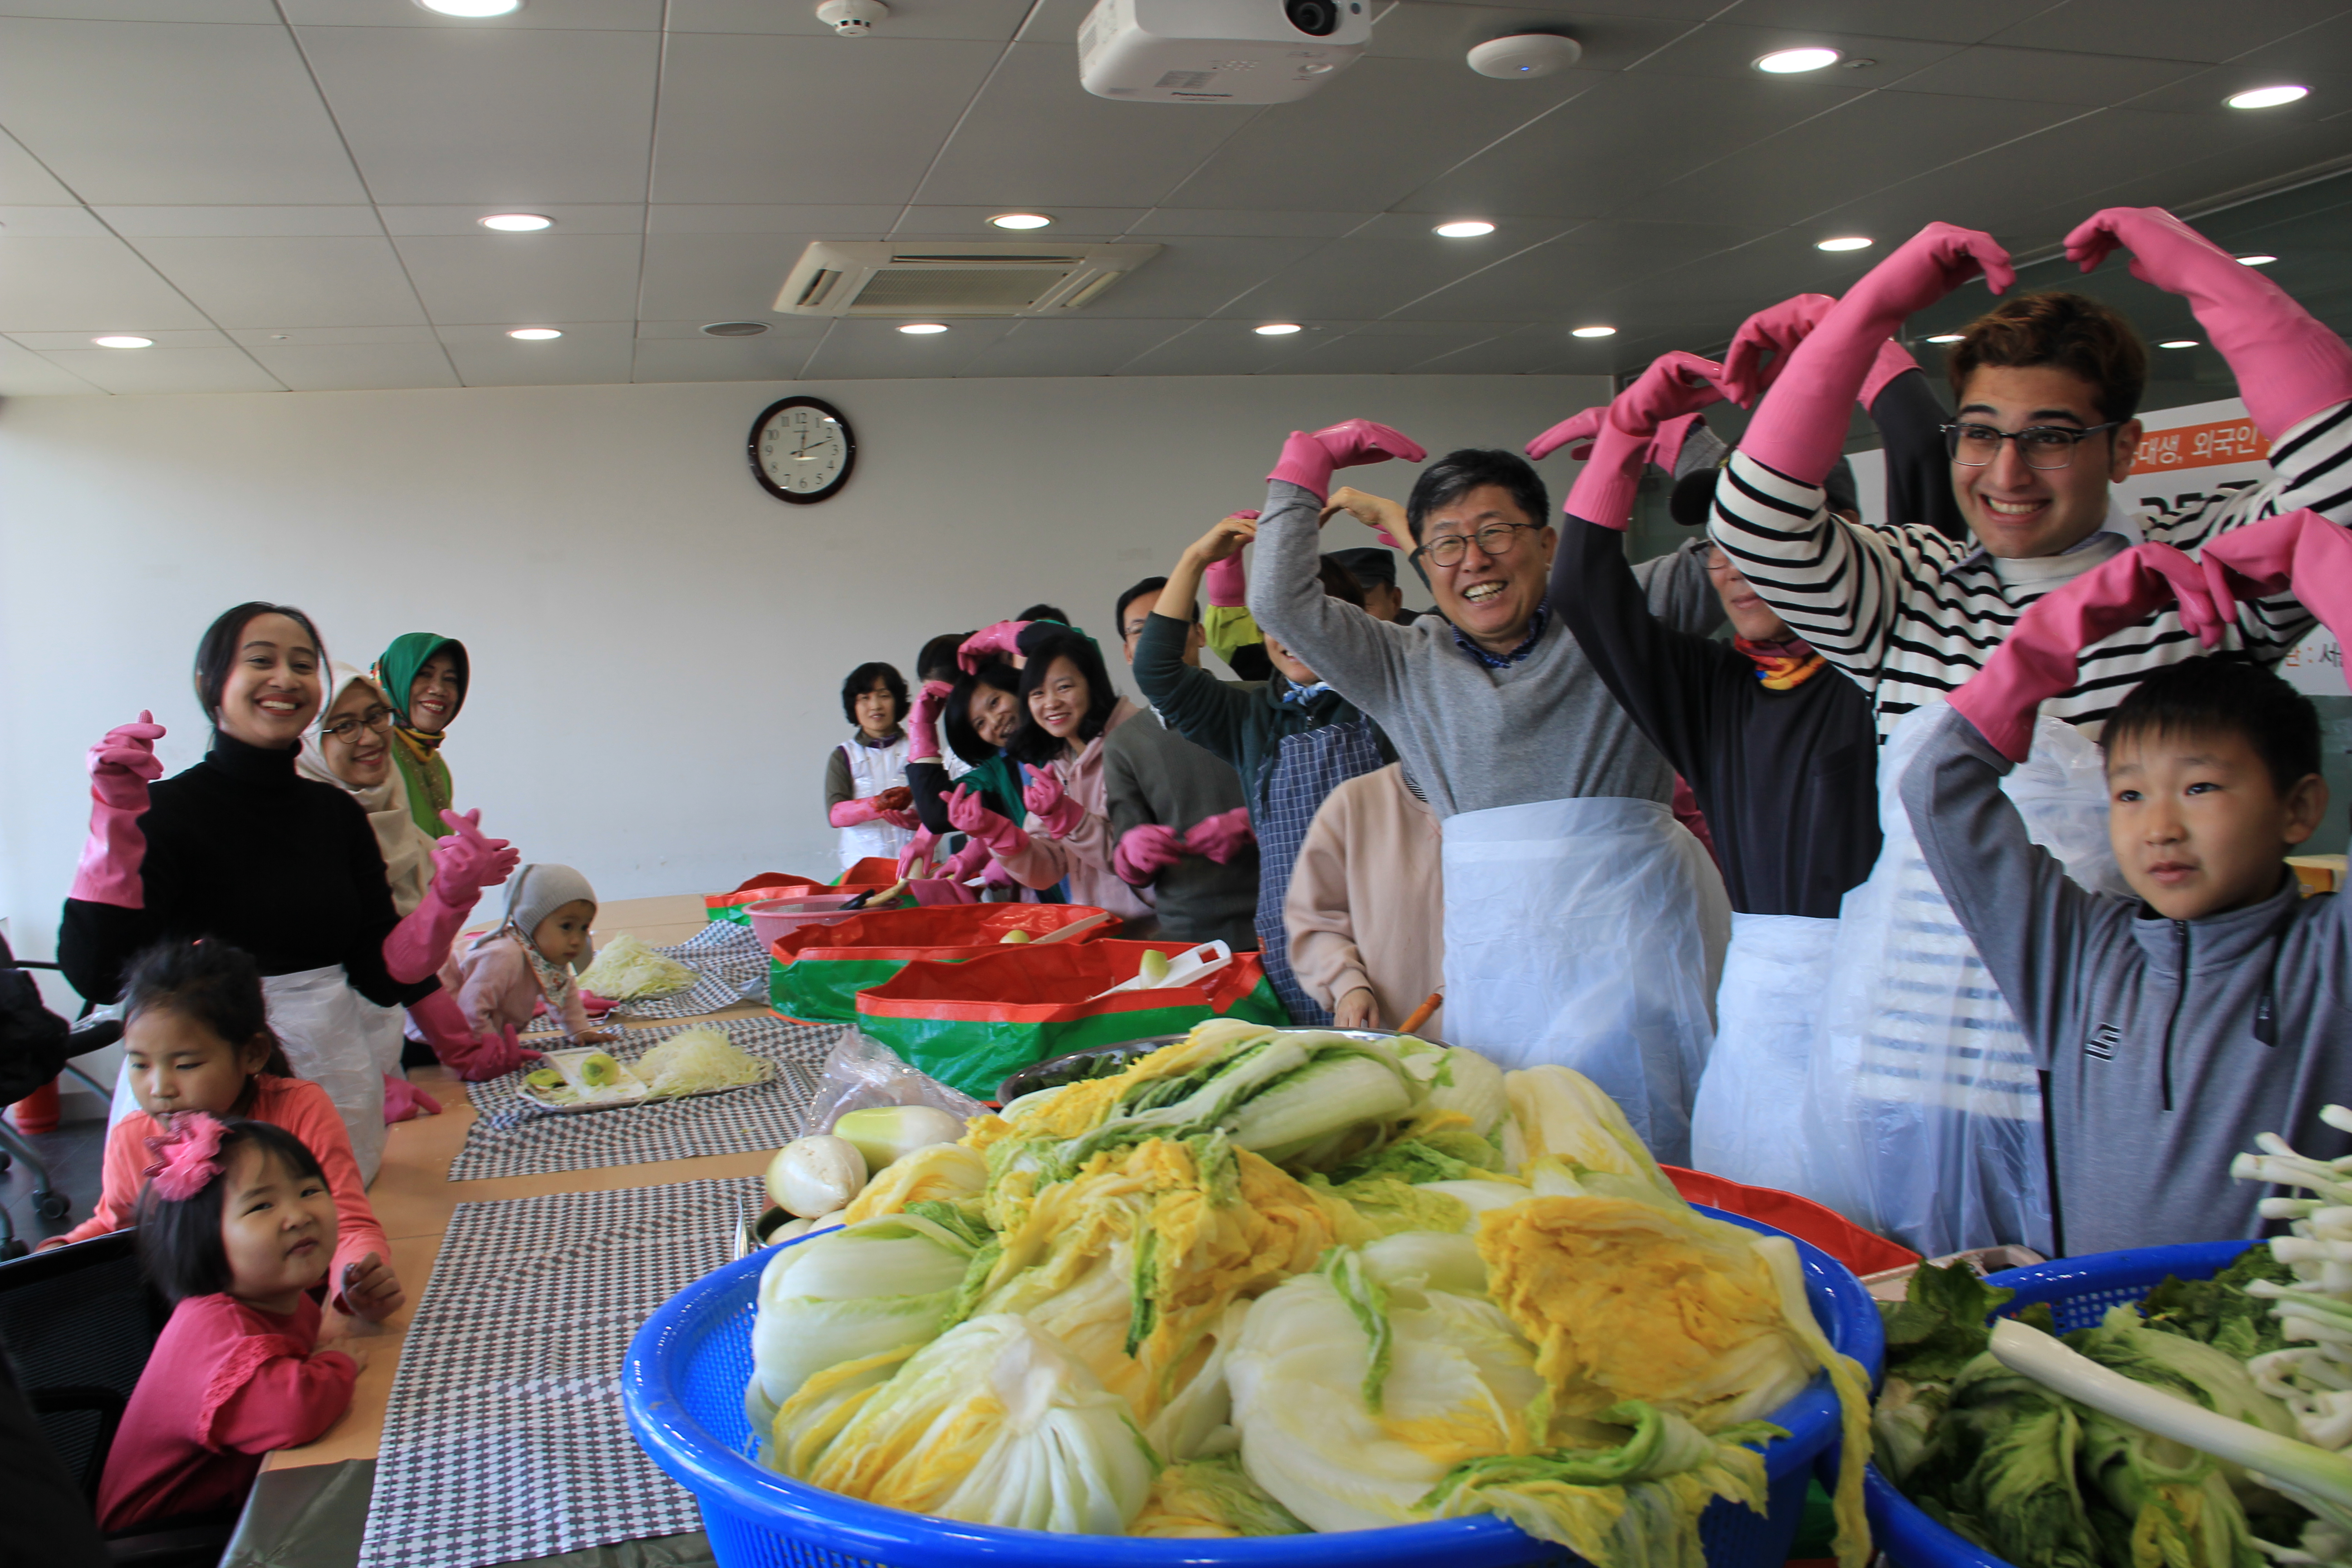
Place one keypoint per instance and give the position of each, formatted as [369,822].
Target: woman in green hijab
[424,676]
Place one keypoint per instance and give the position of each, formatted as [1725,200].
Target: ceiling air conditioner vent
[866,279]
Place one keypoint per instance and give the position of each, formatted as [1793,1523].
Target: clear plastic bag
[863,1071]
[1924,1123]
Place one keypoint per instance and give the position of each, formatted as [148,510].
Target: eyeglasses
[2042,446]
[1496,540]
[376,718]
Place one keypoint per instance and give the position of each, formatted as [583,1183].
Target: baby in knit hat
[500,978]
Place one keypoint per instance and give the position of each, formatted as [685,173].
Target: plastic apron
[335,1037]
[1768,1014]
[1307,768]
[1924,1118]
[1588,934]
[872,770]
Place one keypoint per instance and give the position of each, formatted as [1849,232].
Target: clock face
[802,450]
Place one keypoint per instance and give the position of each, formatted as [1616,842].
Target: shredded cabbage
[693,1060]
[627,969]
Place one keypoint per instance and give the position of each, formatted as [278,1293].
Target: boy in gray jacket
[2171,1029]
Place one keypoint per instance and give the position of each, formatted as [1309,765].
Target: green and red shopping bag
[820,970]
[971,1024]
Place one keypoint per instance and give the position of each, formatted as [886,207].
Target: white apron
[1924,1119]
[1767,1017]
[335,1037]
[1588,934]
[872,770]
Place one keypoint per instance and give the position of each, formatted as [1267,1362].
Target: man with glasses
[1583,925]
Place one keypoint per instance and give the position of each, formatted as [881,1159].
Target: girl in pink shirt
[237,1228]
[196,1038]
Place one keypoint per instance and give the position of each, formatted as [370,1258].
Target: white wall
[657,645]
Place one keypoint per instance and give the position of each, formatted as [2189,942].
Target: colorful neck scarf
[1782,666]
[554,980]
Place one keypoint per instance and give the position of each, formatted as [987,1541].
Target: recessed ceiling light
[472,7]
[1468,228]
[123,340]
[2256,261]
[1944,337]
[1020,220]
[515,223]
[534,334]
[1844,242]
[923,329]
[734,328]
[1593,332]
[1276,328]
[2266,97]
[1789,62]
[2177,343]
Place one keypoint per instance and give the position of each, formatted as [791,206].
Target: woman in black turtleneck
[243,848]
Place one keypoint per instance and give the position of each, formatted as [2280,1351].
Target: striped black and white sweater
[1910,614]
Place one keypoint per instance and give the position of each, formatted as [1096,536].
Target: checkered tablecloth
[513,1137]
[505,1436]
[732,965]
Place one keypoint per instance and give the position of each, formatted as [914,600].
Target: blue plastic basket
[683,1386]
[2079,1291]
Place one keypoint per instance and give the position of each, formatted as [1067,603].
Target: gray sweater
[1473,738]
[1151,774]
[2168,1044]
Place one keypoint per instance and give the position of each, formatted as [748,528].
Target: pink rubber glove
[1774,331]
[2300,549]
[122,765]
[2288,366]
[463,864]
[1057,815]
[1800,428]
[882,807]
[1222,837]
[1579,427]
[1223,581]
[404,1101]
[903,821]
[473,1058]
[2040,659]
[1308,459]
[1892,359]
[923,722]
[1675,384]
[1144,852]
[918,852]
[1002,641]
[1001,836]
[592,1002]
[968,862]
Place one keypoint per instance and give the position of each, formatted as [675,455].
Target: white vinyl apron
[1588,934]
[335,1037]
[1768,1014]
[1923,1120]
[872,770]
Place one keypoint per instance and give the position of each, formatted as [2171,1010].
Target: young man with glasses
[2048,386]
[1583,925]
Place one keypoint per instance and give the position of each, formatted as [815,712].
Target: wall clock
[801,450]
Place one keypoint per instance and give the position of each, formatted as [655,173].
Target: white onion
[884,1133]
[809,1176]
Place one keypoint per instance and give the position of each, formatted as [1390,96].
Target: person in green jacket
[1292,739]
[424,675]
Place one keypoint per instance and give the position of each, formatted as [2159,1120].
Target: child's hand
[371,1290]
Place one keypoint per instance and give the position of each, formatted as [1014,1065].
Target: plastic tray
[683,1380]
[551,1108]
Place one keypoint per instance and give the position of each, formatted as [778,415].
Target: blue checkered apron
[1307,768]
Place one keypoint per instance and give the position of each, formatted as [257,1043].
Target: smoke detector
[1525,55]
[853,18]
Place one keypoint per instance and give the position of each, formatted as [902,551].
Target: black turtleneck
[244,848]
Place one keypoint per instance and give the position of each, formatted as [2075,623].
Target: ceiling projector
[1219,51]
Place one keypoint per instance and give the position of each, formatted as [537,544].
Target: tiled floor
[72,1154]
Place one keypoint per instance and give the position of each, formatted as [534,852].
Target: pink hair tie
[186,1160]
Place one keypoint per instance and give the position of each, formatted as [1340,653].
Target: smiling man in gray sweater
[1583,925]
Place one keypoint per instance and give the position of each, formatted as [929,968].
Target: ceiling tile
[440,115]
[716,277]
[85,285]
[188,338]
[1071,224]
[1555,281]
[1068,348]
[1372,351]
[2174,29]
[2044,76]
[1730,52]
[22,178]
[792,120]
[1673,10]
[781,329]
[151,112]
[50,223]
[849,221]
[1363,278]
[2206,94]
[236,222]
[574,360]
[1889,18]
[1524,352]
[24,374]
[2326,47]
[991,20]
[1252,221]
[357,367]
[614,217]
[637,16]
[260,11]
[866,350]
[1036,138]
[575,332]
[524,278]
[769,358]
[331,337]
[1230,348]
[1447,33]
[1196,278]
[291,282]
[168,370]
[1578,161]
